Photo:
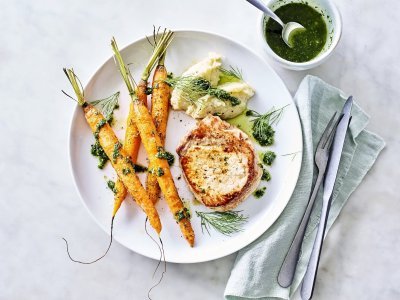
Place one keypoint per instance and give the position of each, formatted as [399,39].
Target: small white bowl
[333,21]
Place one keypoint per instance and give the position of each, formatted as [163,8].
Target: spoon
[287,29]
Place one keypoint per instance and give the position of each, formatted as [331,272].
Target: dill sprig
[231,73]
[262,124]
[107,105]
[293,154]
[193,88]
[227,222]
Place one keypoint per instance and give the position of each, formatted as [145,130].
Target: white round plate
[187,48]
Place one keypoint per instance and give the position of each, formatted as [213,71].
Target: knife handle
[288,268]
[307,287]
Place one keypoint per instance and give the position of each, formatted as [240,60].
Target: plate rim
[287,192]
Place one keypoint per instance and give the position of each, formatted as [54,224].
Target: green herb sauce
[97,150]
[126,171]
[98,127]
[230,75]
[139,168]
[266,175]
[111,186]
[162,154]
[160,172]
[262,129]
[223,95]
[260,192]
[116,154]
[242,122]
[269,157]
[308,43]
[184,213]
[266,137]
[107,107]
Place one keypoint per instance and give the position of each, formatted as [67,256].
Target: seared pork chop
[219,164]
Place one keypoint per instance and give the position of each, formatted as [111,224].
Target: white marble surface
[39,204]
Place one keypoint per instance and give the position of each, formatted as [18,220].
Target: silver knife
[307,287]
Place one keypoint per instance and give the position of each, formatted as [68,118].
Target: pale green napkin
[254,275]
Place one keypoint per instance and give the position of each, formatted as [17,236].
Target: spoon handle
[261,6]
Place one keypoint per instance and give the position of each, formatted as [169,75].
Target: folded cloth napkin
[255,272]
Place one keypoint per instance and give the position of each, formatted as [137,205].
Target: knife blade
[307,287]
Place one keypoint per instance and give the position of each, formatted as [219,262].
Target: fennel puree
[219,81]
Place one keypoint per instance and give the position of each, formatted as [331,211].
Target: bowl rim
[320,57]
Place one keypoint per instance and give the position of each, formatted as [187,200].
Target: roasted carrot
[161,94]
[131,144]
[152,142]
[119,158]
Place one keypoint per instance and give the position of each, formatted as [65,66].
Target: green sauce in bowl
[307,44]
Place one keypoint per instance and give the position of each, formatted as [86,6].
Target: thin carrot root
[97,259]
[162,259]
[120,160]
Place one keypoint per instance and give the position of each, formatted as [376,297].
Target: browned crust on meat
[213,131]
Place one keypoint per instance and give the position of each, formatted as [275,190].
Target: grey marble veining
[39,203]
